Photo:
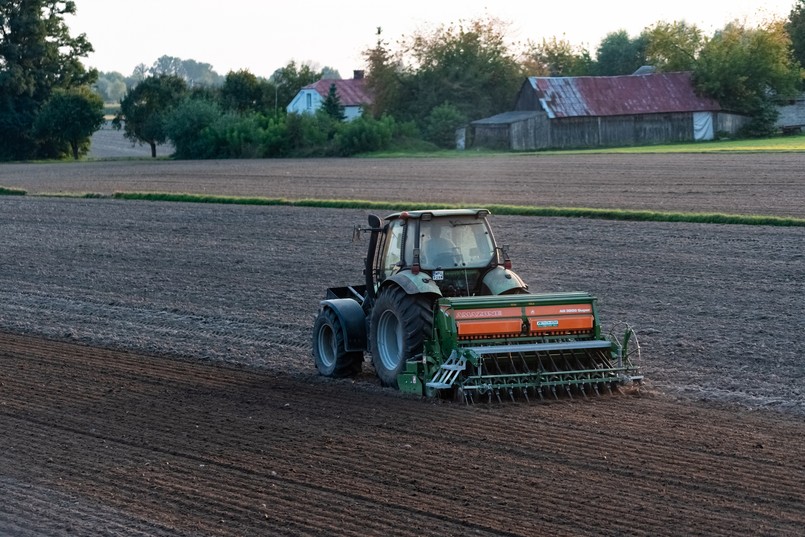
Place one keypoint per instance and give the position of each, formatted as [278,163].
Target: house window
[309,101]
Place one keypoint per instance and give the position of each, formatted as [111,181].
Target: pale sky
[264,36]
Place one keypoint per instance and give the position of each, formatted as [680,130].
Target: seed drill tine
[511,394]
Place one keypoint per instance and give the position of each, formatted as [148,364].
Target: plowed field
[155,376]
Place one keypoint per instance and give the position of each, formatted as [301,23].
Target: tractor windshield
[455,242]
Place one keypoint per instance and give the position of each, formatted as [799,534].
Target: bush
[441,125]
[188,127]
[364,135]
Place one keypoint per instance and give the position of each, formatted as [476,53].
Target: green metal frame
[537,365]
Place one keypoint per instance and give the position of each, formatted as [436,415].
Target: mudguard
[353,322]
[414,284]
[500,280]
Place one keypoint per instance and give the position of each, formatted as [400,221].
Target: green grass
[78,195]
[567,212]
[7,191]
[777,144]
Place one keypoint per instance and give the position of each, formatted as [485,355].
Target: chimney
[357,74]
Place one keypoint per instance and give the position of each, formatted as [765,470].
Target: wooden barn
[604,111]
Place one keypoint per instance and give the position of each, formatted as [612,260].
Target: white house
[353,94]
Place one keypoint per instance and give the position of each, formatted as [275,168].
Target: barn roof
[351,91]
[654,93]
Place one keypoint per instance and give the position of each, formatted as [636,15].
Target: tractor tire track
[169,446]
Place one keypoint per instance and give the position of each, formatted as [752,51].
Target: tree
[618,54]
[288,80]
[244,92]
[747,69]
[557,57]
[145,107]
[187,125]
[37,56]
[441,125]
[383,79]
[332,105]
[795,26]
[200,74]
[468,64]
[167,65]
[111,86]
[673,46]
[69,118]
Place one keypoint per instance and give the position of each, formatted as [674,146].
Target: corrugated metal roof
[655,93]
[351,91]
[506,118]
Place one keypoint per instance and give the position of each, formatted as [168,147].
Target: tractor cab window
[455,242]
[393,248]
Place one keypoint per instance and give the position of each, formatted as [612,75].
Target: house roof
[351,91]
[654,93]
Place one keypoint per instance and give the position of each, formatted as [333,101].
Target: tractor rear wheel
[399,326]
[329,348]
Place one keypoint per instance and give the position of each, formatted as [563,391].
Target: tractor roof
[439,213]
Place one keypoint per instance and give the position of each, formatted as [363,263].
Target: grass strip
[76,195]
[513,210]
[7,191]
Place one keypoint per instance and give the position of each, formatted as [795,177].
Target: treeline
[424,87]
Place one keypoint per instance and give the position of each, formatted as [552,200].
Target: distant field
[110,143]
[731,183]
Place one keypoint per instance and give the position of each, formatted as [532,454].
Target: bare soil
[769,184]
[156,375]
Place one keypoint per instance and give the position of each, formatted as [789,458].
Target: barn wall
[651,129]
[490,136]
[530,134]
[646,129]
[729,123]
[792,113]
[573,132]
[527,99]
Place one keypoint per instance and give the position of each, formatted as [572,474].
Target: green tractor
[443,314]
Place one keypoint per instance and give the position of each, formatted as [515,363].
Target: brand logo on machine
[478,314]
[547,324]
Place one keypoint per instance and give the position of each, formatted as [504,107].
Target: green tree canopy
[618,54]
[243,92]
[111,86]
[383,78]
[332,104]
[796,31]
[746,69]
[467,64]
[37,56]
[288,80]
[673,46]
[557,57]
[144,108]
[68,120]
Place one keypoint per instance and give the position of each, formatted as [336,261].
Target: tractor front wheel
[399,326]
[329,348]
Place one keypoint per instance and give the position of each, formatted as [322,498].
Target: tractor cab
[453,248]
